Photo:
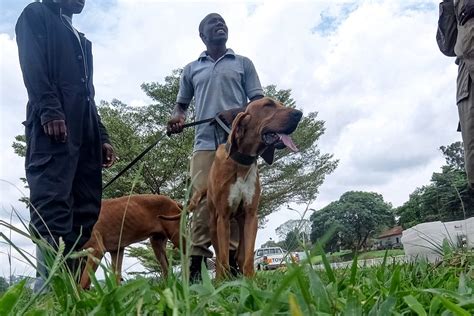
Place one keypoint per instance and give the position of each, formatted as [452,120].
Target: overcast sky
[371,69]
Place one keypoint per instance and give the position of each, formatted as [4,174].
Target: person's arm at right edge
[447,28]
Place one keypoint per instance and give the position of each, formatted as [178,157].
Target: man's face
[72,6]
[215,30]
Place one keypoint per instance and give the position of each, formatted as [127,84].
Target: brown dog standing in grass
[130,219]
[233,183]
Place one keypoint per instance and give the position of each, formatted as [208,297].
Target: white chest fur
[244,188]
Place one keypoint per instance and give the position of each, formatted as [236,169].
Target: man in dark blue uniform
[67,145]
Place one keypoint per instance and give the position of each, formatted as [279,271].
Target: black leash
[134,161]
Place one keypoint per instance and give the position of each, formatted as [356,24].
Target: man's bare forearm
[180,109]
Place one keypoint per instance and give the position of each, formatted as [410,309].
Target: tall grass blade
[295,309]
[395,281]
[327,265]
[381,270]
[457,310]
[414,305]
[435,306]
[387,307]
[9,300]
[284,285]
[352,280]
[320,294]
[462,287]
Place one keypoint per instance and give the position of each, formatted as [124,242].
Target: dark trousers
[65,182]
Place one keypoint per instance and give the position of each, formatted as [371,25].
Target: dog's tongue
[286,139]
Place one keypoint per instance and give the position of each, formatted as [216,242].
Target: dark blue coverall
[65,179]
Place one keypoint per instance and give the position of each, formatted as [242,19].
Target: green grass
[389,289]
[300,289]
[381,253]
[338,256]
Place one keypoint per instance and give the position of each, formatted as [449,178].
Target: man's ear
[238,130]
[203,38]
[268,154]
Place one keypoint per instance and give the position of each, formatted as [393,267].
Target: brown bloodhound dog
[143,216]
[233,183]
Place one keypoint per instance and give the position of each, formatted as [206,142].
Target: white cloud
[371,69]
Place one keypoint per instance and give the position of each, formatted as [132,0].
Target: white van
[269,258]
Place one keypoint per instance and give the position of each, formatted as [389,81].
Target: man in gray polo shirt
[219,80]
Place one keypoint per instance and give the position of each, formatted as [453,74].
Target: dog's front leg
[213,227]
[117,259]
[241,248]
[250,234]
[223,234]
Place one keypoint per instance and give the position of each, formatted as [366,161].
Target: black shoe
[234,268]
[195,269]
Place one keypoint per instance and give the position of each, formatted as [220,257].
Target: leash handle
[168,133]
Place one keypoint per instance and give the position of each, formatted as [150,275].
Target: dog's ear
[268,154]
[238,130]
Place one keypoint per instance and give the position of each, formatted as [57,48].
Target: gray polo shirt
[217,86]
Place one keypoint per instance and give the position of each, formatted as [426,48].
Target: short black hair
[207,17]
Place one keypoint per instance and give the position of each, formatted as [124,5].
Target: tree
[356,217]
[446,198]
[454,155]
[299,225]
[147,258]
[270,243]
[3,285]
[295,240]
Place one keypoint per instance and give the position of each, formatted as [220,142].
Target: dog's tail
[170,218]
[193,203]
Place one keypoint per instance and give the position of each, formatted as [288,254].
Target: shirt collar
[229,52]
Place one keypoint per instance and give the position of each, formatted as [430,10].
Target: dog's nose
[296,114]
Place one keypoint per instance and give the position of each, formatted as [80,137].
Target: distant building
[390,238]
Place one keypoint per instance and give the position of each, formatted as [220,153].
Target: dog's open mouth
[279,140]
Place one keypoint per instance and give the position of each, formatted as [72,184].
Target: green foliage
[132,129]
[454,155]
[3,285]
[292,241]
[295,240]
[356,216]
[446,198]
[147,258]
[10,299]
[294,234]
[302,225]
[19,145]
[300,289]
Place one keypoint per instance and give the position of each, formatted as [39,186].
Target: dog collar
[240,158]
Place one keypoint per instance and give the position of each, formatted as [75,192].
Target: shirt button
[79,57]
[83,80]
